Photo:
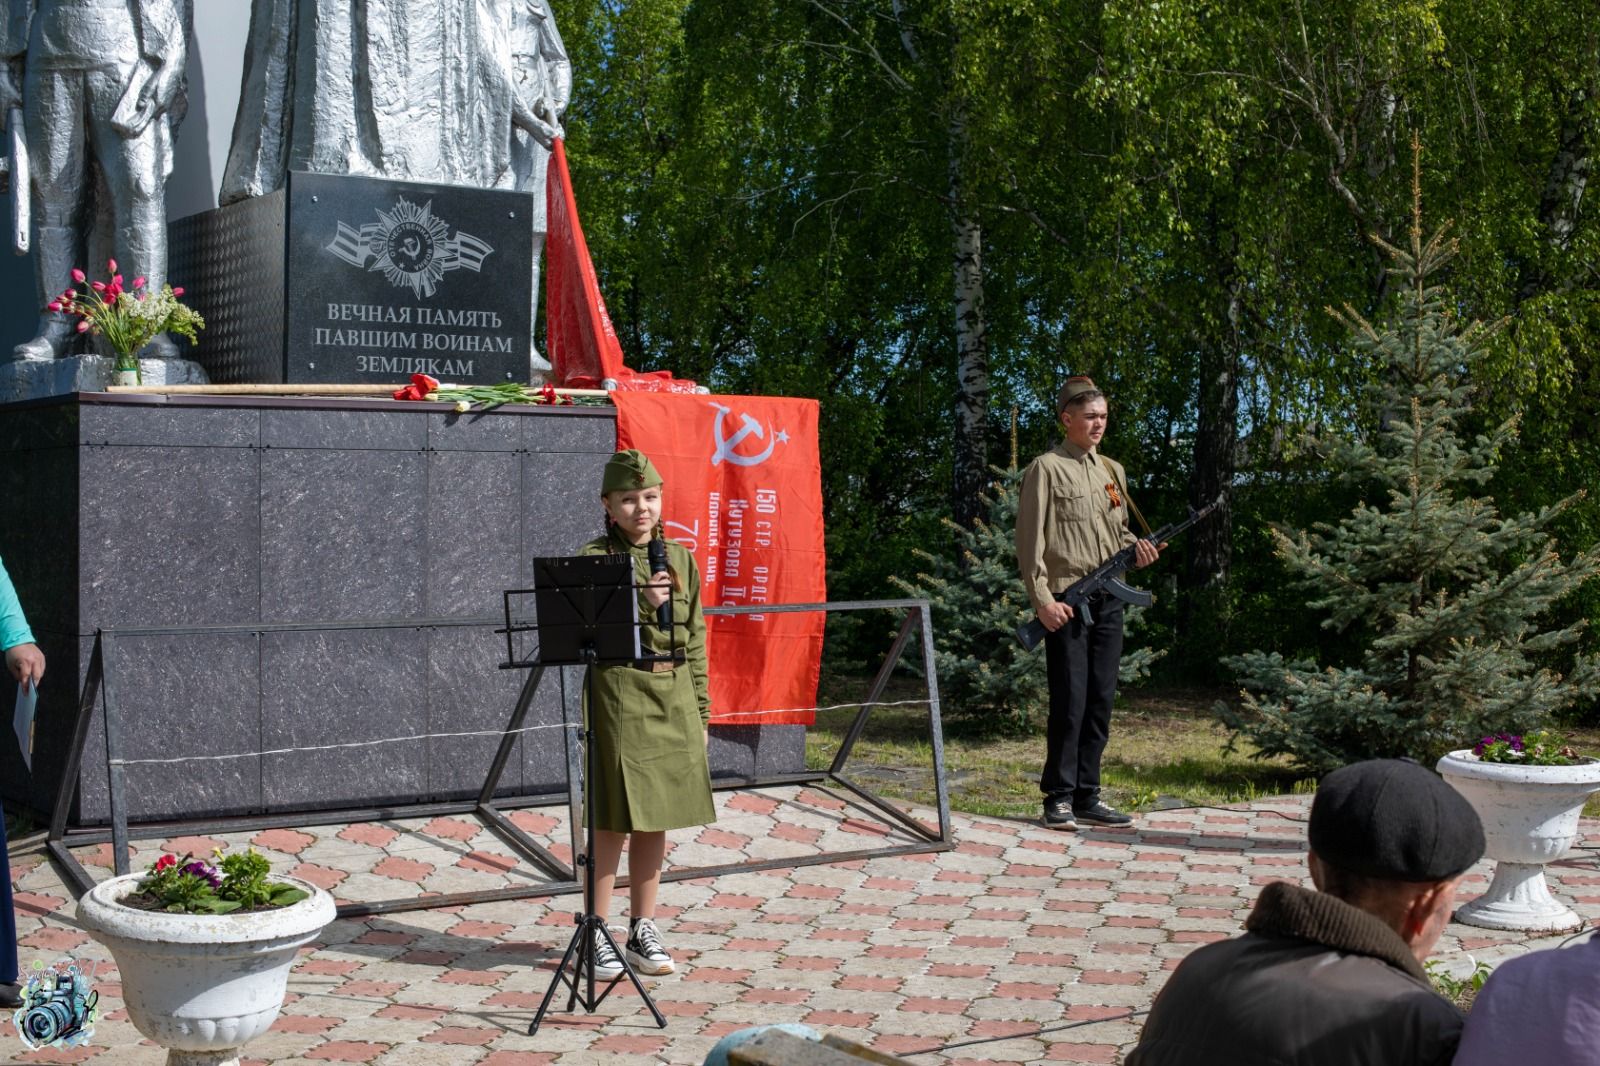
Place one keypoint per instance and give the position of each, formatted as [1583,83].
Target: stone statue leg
[538,366]
[54,121]
[136,176]
[538,165]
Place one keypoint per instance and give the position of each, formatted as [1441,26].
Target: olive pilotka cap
[1076,386]
[629,470]
[1394,820]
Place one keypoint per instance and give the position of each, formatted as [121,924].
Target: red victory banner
[583,347]
[744,494]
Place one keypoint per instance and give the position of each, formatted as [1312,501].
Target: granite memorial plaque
[355,280]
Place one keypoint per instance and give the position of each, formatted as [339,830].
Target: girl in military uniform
[649,718]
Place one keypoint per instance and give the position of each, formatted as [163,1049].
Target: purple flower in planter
[204,872]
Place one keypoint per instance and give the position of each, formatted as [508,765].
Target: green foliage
[244,879]
[1444,595]
[1458,990]
[236,881]
[1168,194]
[185,886]
[986,680]
[1539,748]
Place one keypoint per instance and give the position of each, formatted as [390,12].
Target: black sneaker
[1097,813]
[1058,815]
[645,951]
[607,963]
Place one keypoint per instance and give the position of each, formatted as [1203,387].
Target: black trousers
[1081,663]
[8,918]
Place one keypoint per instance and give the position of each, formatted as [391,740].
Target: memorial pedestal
[29,379]
[131,510]
[355,280]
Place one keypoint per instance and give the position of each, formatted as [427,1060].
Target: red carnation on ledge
[421,387]
[483,397]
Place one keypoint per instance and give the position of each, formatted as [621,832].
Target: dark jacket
[1313,981]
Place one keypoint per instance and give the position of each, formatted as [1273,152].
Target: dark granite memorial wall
[129,511]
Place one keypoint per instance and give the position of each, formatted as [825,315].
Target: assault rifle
[1107,577]
[14,179]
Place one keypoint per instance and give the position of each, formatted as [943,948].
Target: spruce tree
[986,679]
[1445,596]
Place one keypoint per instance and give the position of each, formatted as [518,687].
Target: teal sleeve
[13,626]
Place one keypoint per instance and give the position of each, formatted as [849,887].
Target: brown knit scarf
[1283,909]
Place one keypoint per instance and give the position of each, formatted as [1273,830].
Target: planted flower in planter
[1528,790]
[189,885]
[1541,748]
[205,947]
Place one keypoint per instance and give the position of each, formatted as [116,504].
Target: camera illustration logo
[59,1008]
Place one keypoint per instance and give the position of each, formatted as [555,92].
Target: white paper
[22,721]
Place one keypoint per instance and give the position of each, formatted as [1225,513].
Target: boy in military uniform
[649,718]
[1073,515]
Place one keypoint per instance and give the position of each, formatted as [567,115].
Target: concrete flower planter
[202,985]
[1530,817]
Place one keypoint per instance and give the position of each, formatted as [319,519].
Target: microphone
[657,553]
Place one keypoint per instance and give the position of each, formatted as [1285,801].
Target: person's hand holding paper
[25,662]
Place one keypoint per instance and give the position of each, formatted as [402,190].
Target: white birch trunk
[972,338]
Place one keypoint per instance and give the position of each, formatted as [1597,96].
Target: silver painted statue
[457,92]
[543,79]
[412,90]
[101,92]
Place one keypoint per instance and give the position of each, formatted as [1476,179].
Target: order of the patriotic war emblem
[411,246]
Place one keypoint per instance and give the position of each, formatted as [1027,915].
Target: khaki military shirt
[649,726]
[1071,517]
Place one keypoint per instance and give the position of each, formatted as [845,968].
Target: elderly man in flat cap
[1072,515]
[1335,976]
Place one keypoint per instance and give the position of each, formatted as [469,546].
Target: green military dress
[650,755]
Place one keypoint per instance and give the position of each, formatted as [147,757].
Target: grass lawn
[1165,751]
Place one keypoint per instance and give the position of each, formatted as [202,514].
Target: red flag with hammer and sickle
[743,492]
[582,343]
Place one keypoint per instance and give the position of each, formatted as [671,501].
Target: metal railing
[99,690]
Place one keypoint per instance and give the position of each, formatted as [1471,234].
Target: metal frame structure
[98,688]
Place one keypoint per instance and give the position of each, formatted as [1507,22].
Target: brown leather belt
[657,666]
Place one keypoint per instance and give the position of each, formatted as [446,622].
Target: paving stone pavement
[1019,945]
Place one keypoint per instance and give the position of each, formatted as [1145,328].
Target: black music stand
[588,611]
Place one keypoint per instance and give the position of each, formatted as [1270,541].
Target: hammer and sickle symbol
[726,445]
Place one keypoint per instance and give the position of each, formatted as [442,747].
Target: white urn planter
[1530,817]
[202,985]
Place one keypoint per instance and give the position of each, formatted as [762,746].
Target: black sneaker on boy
[1097,813]
[1058,814]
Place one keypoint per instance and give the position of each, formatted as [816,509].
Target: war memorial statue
[98,86]
[458,92]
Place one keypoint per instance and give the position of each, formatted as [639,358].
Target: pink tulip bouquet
[127,316]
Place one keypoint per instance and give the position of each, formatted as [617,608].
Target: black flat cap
[1395,820]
